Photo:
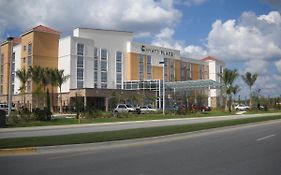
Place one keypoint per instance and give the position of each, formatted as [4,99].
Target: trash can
[2,118]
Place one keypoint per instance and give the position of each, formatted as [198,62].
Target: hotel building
[101,62]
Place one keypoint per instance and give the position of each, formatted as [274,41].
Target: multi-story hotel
[101,62]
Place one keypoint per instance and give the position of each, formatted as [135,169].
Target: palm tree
[235,90]
[227,78]
[61,78]
[23,75]
[250,80]
[36,75]
[53,82]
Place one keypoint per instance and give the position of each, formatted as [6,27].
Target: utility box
[2,118]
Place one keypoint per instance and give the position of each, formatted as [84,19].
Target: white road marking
[266,137]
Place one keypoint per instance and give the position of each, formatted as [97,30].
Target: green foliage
[42,114]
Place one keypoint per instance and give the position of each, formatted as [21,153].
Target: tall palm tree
[36,75]
[235,90]
[23,75]
[45,81]
[250,80]
[61,78]
[53,82]
[227,78]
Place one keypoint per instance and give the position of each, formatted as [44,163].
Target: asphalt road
[85,128]
[253,149]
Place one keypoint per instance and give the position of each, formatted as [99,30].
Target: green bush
[42,114]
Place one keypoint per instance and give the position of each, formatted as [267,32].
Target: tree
[36,75]
[60,79]
[250,80]
[23,75]
[235,90]
[53,81]
[227,78]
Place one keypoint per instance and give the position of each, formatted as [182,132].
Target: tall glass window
[189,71]
[166,68]
[104,57]
[96,58]
[183,67]
[29,49]
[141,67]
[172,70]
[201,71]
[80,65]
[149,67]
[119,67]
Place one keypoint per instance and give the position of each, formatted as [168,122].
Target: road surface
[253,149]
[100,127]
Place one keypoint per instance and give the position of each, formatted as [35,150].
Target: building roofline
[106,30]
[41,28]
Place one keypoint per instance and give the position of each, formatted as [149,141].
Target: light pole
[10,39]
[163,62]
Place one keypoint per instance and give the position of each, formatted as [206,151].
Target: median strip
[120,135]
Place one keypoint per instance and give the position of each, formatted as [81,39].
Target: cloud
[253,42]
[165,39]
[65,15]
[250,37]
[191,2]
[278,65]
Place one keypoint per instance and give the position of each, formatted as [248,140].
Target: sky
[245,34]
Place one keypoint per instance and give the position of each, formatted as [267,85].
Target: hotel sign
[156,51]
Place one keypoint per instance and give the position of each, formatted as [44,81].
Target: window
[29,49]
[13,78]
[166,68]
[95,76]
[80,49]
[80,84]
[24,48]
[200,71]
[13,58]
[104,77]
[80,74]
[103,67]
[13,88]
[104,54]
[172,70]
[119,67]
[23,59]
[80,65]
[183,66]
[2,58]
[29,60]
[1,79]
[1,89]
[141,67]
[29,86]
[149,67]
[103,86]
[189,71]
[80,61]
[2,69]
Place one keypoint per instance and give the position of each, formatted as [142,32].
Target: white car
[124,108]
[241,108]
[147,109]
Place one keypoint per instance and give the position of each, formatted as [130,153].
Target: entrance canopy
[192,84]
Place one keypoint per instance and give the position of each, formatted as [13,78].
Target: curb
[17,151]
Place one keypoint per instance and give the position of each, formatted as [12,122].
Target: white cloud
[64,15]
[252,41]
[191,2]
[165,39]
[278,65]
[248,38]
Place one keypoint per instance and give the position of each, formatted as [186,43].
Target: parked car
[202,108]
[124,108]
[147,109]
[241,107]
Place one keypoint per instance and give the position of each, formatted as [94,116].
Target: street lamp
[10,39]
[163,62]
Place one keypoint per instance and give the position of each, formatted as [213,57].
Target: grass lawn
[123,134]
[131,117]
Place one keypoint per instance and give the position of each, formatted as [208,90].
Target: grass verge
[123,134]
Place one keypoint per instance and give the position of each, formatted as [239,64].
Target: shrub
[42,114]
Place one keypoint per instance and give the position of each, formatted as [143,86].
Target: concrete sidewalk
[114,126]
